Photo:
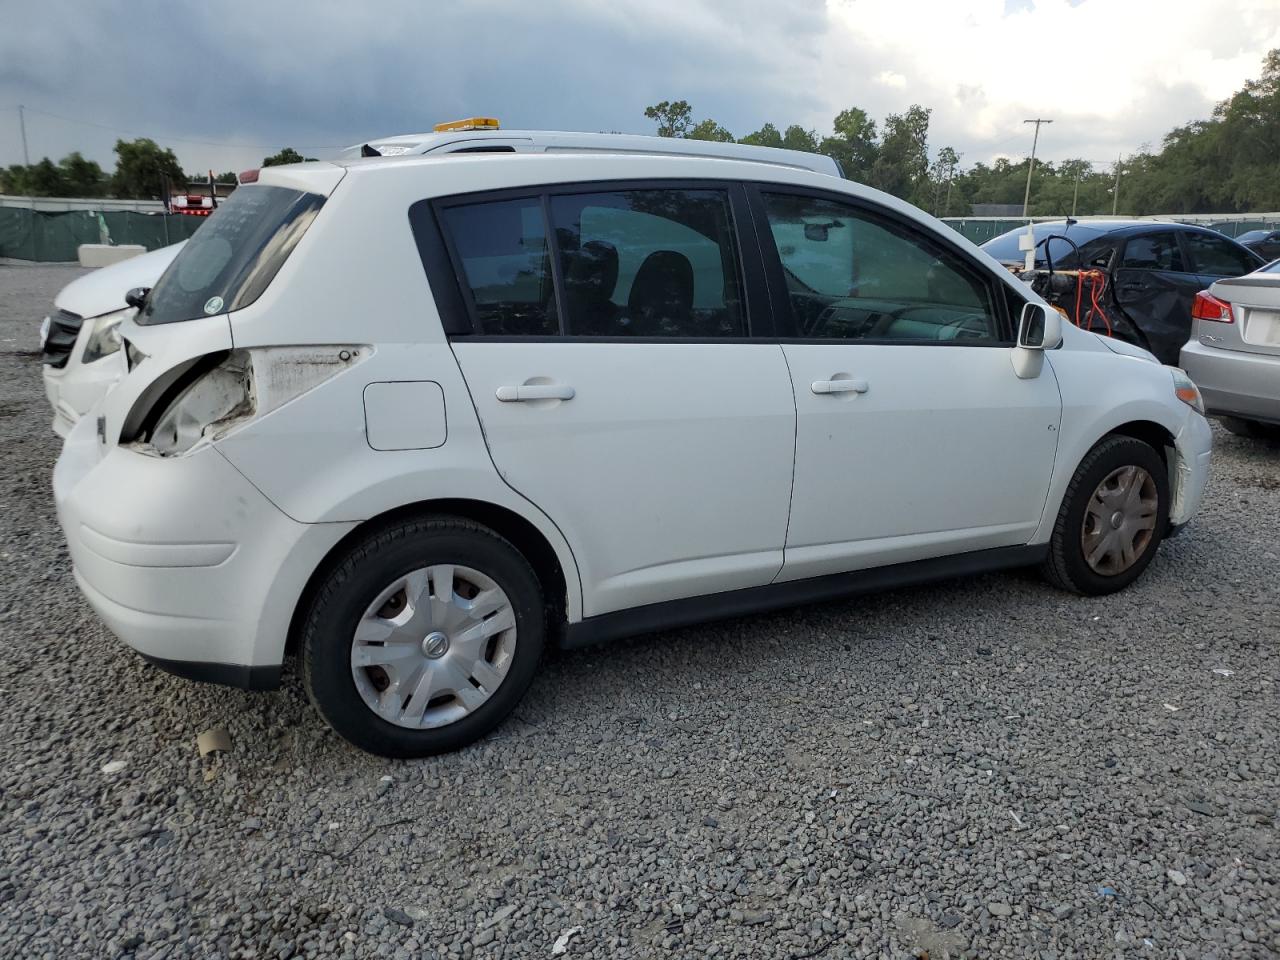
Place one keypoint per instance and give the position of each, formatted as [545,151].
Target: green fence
[49,236]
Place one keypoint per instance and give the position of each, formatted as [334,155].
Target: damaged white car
[419,419]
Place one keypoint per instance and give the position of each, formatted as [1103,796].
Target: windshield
[1005,247]
[234,255]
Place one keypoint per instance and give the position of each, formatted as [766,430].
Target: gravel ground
[980,768]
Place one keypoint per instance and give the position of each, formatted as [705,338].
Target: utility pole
[946,209]
[22,125]
[1026,197]
[1075,194]
[26,157]
[1115,191]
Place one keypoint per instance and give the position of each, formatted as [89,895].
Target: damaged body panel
[1134,280]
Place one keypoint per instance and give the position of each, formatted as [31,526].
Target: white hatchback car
[418,418]
[79,338]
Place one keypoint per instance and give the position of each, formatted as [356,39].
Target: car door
[914,436]
[609,358]
[1154,286]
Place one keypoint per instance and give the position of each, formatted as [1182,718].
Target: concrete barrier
[103,255]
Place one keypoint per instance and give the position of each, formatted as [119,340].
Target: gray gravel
[980,768]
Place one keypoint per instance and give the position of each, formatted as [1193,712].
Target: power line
[167,137]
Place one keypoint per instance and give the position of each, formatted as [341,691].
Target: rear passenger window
[852,275]
[1153,251]
[1218,256]
[501,247]
[648,263]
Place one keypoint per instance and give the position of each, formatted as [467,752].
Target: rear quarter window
[234,256]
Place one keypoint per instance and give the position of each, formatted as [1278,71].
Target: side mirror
[137,297]
[1039,329]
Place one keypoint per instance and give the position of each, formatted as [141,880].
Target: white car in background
[80,335]
[419,418]
[80,339]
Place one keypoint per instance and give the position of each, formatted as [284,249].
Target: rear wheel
[1112,519]
[1253,429]
[423,637]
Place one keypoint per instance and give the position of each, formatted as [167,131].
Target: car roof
[555,141]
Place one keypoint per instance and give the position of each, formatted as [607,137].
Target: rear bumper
[1234,383]
[183,559]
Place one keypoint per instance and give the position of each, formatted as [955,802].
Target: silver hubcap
[1119,521]
[433,646]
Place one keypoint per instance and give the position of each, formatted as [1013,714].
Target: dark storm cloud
[335,73]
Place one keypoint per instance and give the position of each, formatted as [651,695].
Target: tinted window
[1153,251]
[501,247]
[853,275]
[649,263]
[234,255]
[1005,247]
[1218,256]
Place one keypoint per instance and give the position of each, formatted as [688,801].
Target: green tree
[287,155]
[853,144]
[142,169]
[82,178]
[766,136]
[796,137]
[709,130]
[674,118]
[902,164]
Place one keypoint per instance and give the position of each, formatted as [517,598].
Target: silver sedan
[1234,352]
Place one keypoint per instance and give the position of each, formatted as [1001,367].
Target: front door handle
[535,391]
[851,385]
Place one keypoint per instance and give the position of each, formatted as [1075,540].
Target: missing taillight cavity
[218,393]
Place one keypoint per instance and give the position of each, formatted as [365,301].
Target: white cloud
[887,78]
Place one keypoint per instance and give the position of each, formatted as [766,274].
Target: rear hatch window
[234,255]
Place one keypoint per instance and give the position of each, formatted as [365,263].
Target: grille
[64,327]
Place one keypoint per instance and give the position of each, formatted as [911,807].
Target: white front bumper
[77,387]
[1194,448]
[183,558]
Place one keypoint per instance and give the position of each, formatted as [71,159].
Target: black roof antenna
[368,151]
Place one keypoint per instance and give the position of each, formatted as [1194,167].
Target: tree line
[1229,163]
[144,171]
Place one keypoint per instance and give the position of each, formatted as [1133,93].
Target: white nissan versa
[421,417]
[80,340]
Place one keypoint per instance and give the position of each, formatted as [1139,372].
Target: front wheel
[422,637]
[1113,517]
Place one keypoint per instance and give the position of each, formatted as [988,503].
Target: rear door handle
[853,385]
[535,391]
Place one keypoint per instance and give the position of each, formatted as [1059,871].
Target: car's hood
[1126,349]
[103,290]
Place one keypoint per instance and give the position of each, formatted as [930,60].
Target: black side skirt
[227,674]
[794,593]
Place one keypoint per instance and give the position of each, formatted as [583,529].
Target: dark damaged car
[1131,279]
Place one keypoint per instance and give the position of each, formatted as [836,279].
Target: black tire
[353,582]
[1066,566]
[1252,429]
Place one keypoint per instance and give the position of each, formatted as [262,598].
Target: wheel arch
[521,532]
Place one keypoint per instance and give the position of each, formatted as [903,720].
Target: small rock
[1063,912]
[999,909]
[396,915]
[1178,878]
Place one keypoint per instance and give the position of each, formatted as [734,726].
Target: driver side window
[852,275]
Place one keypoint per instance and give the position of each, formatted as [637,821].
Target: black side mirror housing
[137,297]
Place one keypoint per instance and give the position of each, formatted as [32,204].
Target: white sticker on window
[213,305]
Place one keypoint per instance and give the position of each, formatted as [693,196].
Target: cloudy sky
[223,83]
